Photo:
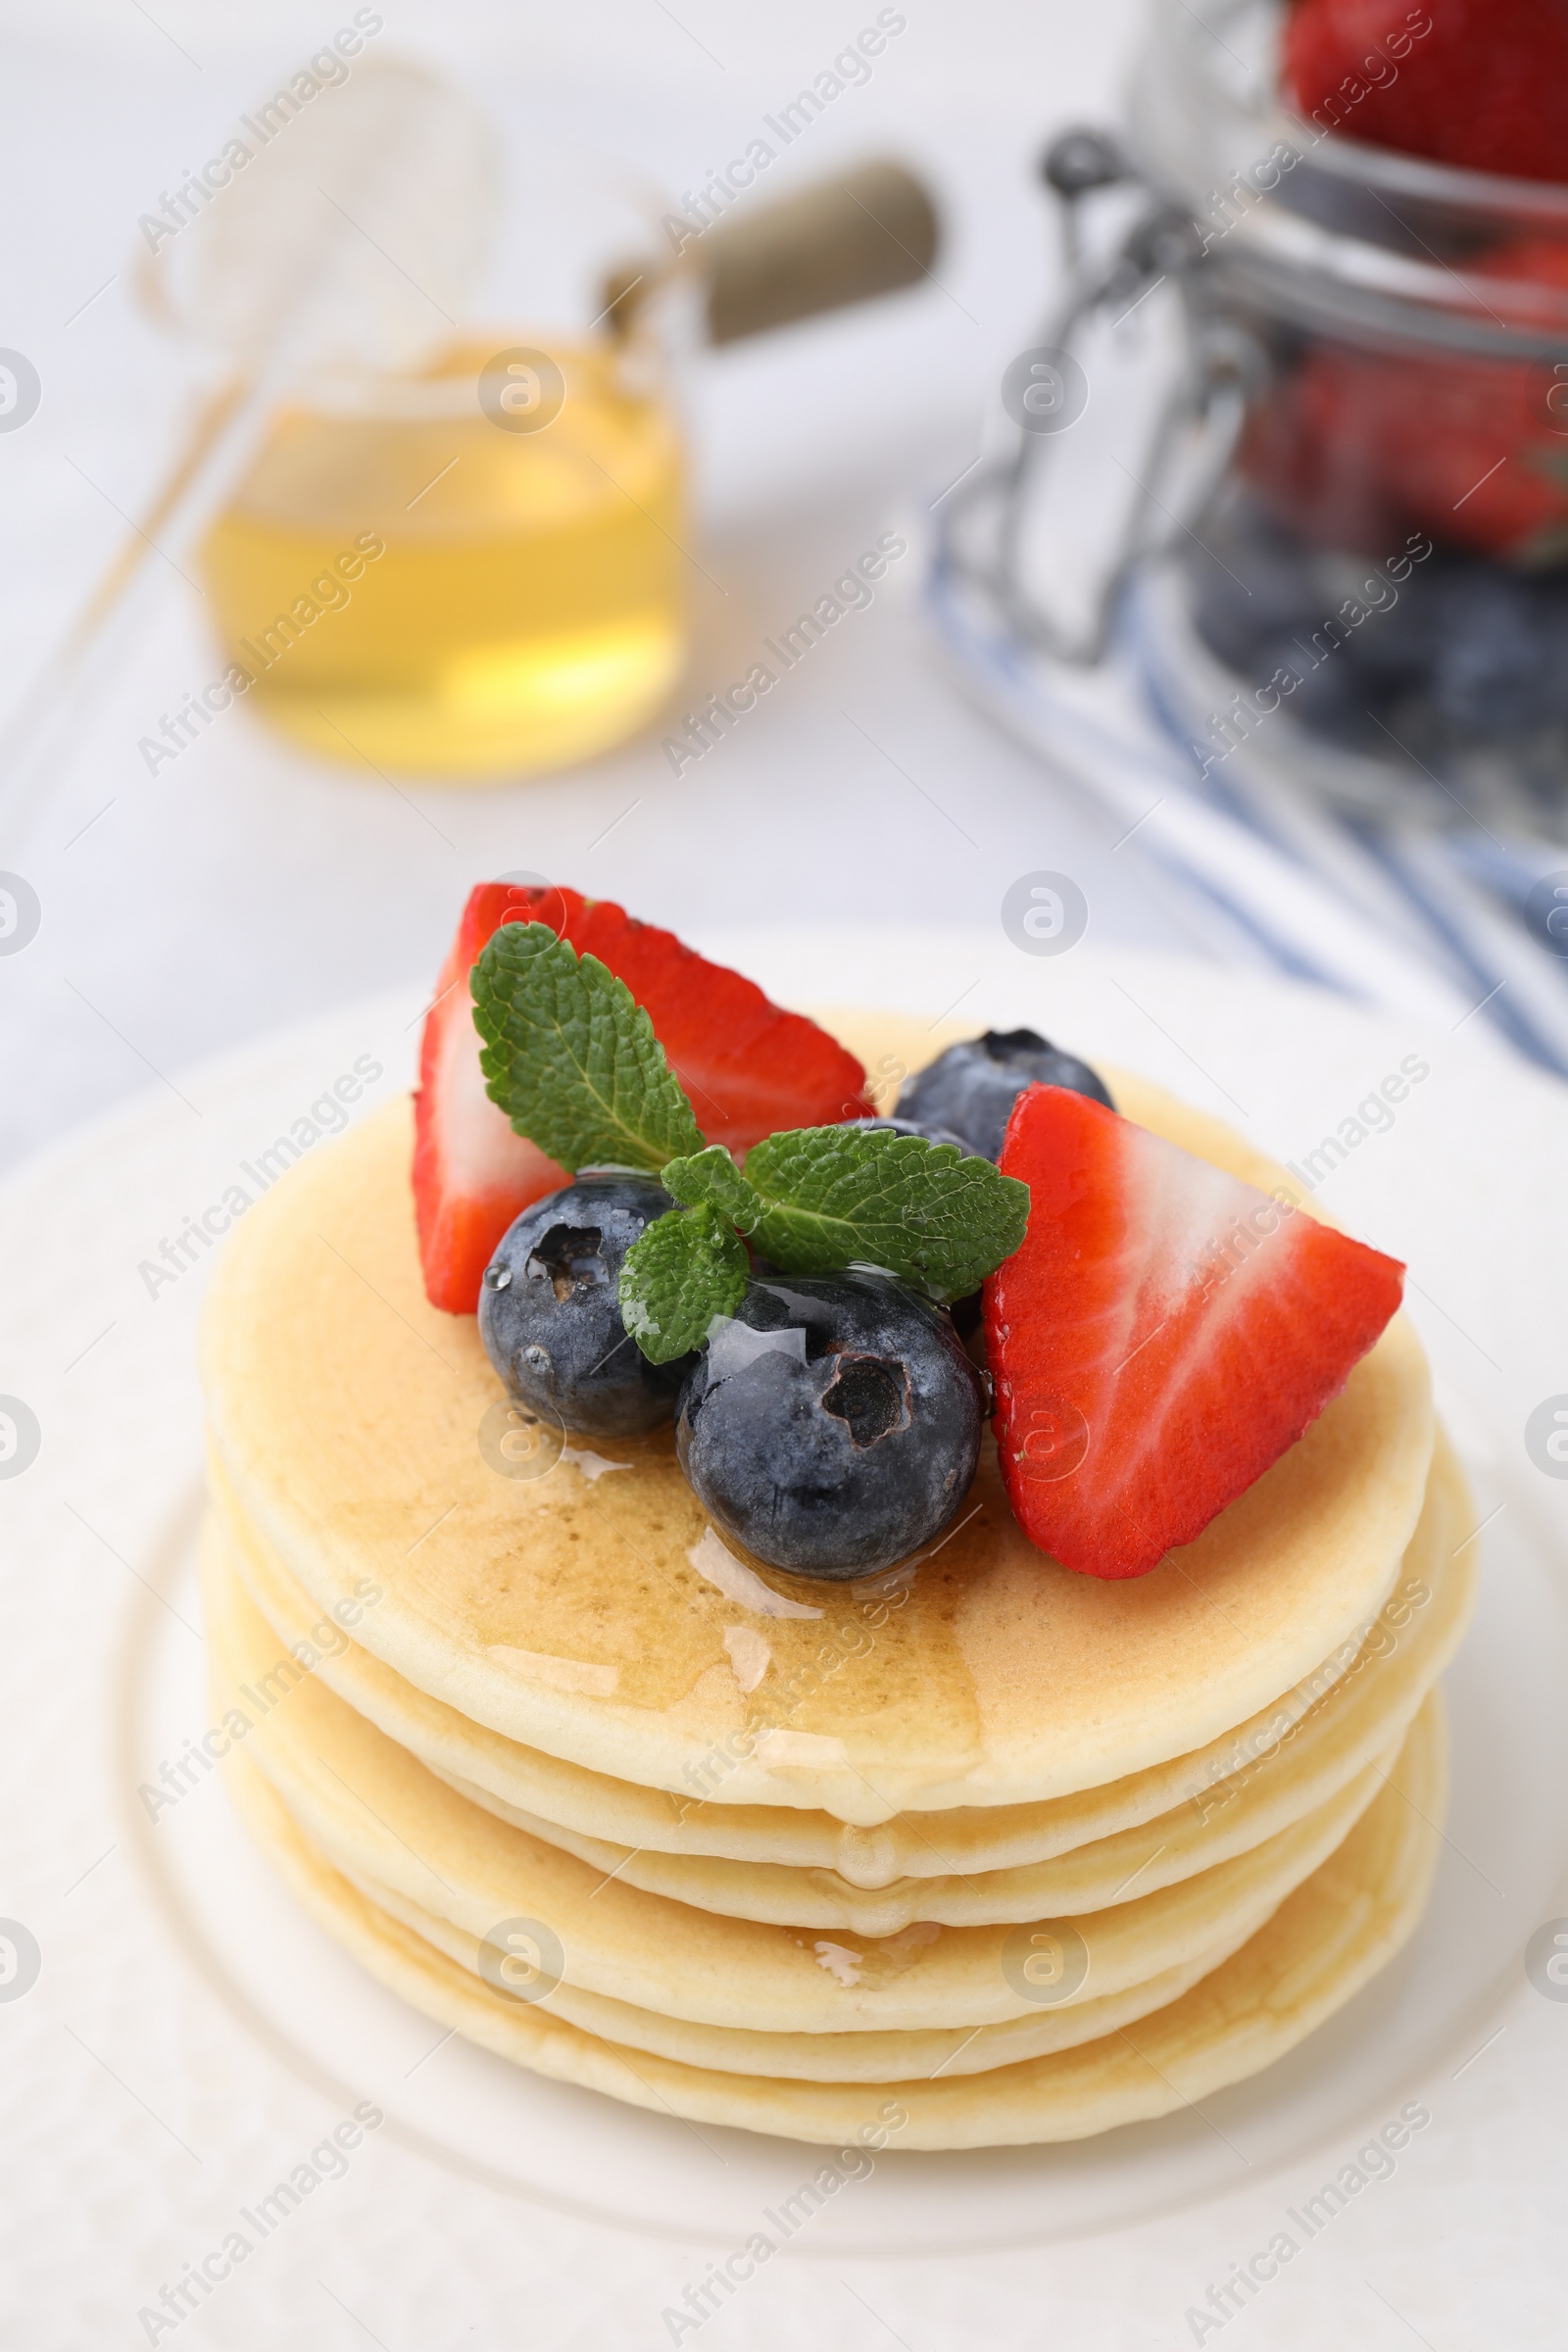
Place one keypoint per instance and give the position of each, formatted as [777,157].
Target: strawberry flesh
[1482,87]
[748,1067]
[1165,1334]
[1331,449]
[1337,448]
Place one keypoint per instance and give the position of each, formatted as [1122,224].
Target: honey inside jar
[526,607]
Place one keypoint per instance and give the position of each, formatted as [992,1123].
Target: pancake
[1343,1707]
[378,1813]
[579,1615]
[819,2057]
[1317,1949]
[1255,1783]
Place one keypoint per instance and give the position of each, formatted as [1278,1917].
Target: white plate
[192,2035]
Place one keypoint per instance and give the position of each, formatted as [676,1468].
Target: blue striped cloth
[1440,920]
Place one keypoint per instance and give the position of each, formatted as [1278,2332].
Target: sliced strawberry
[472,1173]
[1162,1336]
[747,1068]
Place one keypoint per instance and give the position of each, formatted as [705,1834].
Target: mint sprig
[713,1180]
[683,1272]
[573,1061]
[571,1058]
[832,1197]
[816,1201]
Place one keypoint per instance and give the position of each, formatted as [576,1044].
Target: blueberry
[971,1088]
[548,1311]
[1250,582]
[1331,697]
[833,1426]
[1494,650]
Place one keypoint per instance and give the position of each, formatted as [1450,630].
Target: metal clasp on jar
[1189,447]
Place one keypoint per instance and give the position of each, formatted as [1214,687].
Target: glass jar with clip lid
[1328,489]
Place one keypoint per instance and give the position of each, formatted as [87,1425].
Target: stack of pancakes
[1004,1853]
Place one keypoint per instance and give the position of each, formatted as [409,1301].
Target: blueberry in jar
[550,1311]
[1253,586]
[831,1427]
[970,1089]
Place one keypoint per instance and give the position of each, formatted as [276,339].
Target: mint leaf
[833,1195]
[572,1058]
[683,1271]
[712,1177]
